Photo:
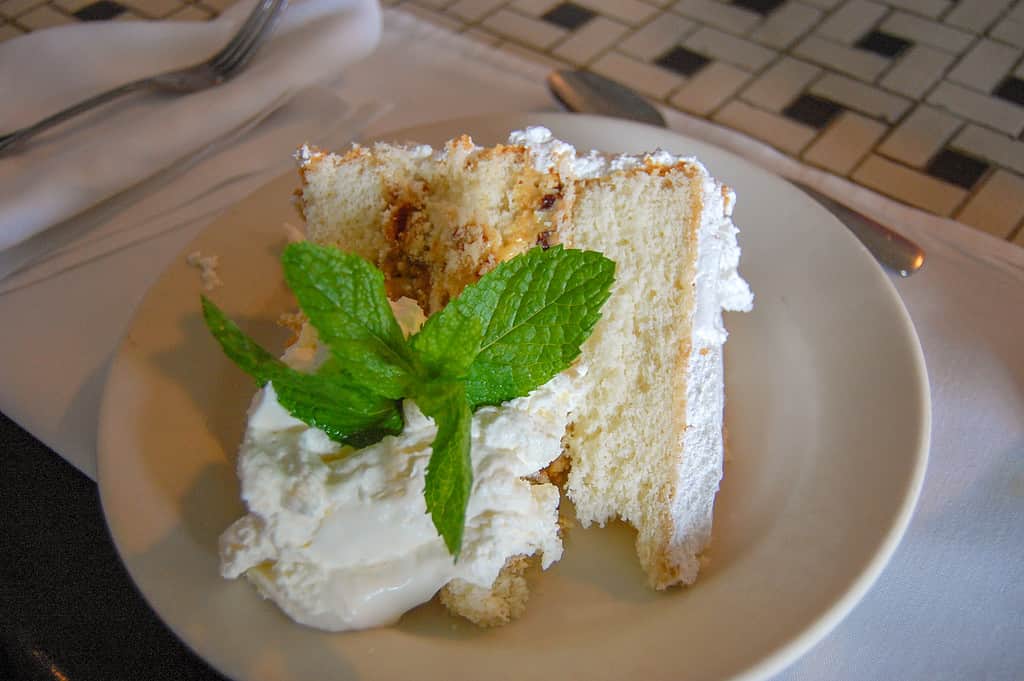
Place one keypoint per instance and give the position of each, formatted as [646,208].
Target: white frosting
[341,539]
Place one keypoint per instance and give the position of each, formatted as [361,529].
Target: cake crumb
[207,266]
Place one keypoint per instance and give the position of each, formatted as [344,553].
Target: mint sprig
[330,399]
[509,333]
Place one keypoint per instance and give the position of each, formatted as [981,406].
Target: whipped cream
[340,538]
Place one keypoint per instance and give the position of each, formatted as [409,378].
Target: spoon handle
[891,249]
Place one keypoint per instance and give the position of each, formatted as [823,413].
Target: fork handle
[22,135]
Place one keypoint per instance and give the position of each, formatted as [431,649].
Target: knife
[585,92]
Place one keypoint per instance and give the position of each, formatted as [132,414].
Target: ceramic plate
[828,422]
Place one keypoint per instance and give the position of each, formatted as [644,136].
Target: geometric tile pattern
[922,100]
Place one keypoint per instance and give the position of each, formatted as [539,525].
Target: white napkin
[111,149]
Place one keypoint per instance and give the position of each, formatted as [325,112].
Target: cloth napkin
[106,151]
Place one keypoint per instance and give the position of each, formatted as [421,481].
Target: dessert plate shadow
[828,421]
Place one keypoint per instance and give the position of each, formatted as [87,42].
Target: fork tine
[250,24]
[234,59]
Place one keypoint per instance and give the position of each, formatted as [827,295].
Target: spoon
[585,92]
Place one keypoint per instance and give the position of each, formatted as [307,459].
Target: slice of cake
[645,443]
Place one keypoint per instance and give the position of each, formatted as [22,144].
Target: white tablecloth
[951,602]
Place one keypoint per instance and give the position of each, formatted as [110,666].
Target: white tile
[929,8]
[909,186]
[657,37]
[13,8]
[780,84]
[917,70]
[648,79]
[786,24]
[851,21]
[1009,31]
[44,17]
[864,98]
[435,4]
[928,32]
[474,10]
[998,206]
[594,37]
[976,15]
[71,6]
[191,13]
[219,5]
[482,36]
[432,16]
[632,12]
[990,145]
[707,90]
[533,32]
[156,9]
[1017,11]
[920,136]
[533,55]
[714,43]
[850,60]
[985,65]
[535,8]
[128,16]
[779,131]
[991,111]
[718,14]
[844,143]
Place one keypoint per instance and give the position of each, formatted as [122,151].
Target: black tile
[99,11]
[1011,89]
[813,111]
[568,15]
[954,167]
[682,61]
[759,6]
[884,44]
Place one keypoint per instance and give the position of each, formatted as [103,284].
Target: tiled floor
[922,100]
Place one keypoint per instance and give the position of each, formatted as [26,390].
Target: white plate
[828,420]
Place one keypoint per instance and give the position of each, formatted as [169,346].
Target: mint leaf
[449,341]
[343,297]
[450,471]
[330,399]
[520,325]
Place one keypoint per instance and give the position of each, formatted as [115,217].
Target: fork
[219,68]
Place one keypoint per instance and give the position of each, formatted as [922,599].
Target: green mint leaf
[450,471]
[343,297]
[330,399]
[449,341]
[520,325]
